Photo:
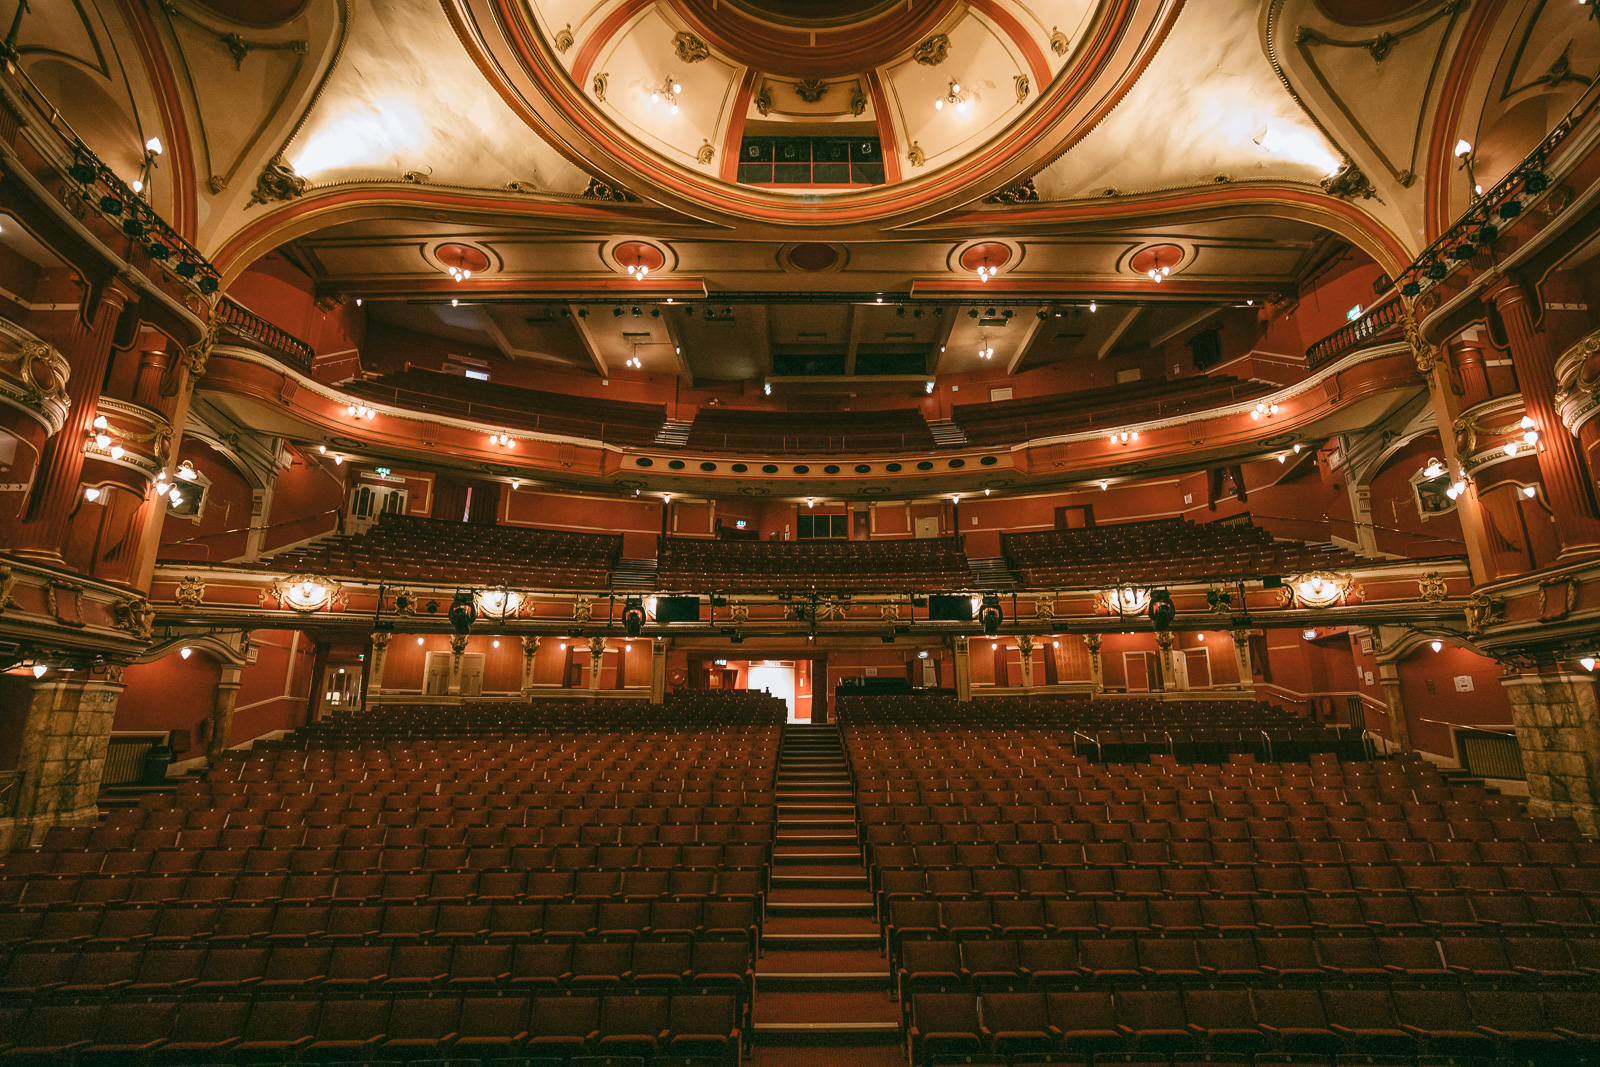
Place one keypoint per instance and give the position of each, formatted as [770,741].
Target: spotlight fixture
[989,615]
[463,612]
[1162,610]
[633,616]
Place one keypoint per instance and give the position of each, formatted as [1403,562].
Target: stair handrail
[1266,744]
[1099,753]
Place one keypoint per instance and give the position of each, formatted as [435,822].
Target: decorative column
[1399,725]
[1097,677]
[1558,730]
[380,656]
[84,336]
[963,669]
[658,670]
[1241,658]
[153,364]
[1025,655]
[458,646]
[597,659]
[1169,676]
[1561,467]
[63,754]
[222,709]
[530,648]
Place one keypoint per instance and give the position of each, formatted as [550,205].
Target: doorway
[437,678]
[928,527]
[775,678]
[341,689]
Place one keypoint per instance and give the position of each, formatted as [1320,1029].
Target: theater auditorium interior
[799,533]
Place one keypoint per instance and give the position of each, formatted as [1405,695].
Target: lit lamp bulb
[102,440]
[116,451]
[185,652]
[1587,662]
[1433,470]
[39,669]
[100,422]
[1309,635]
[1463,149]
[1530,491]
[91,494]
[153,146]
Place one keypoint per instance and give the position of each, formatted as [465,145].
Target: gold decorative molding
[564,39]
[690,49]
[1059,42]
[277,182]
[190,592]
[934,51]
[1431,587]
[811,90]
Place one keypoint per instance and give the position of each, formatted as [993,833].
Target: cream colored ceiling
[1208,106]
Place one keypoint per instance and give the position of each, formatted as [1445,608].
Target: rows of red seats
[1007,421]
[833,566]
[1258,1024]
[1008,863]
[1161,551]
[449,857]
[402,548]
[464,1029]
[722,429]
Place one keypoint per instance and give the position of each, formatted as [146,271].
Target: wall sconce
[359,411]
[503,440]
[1319,589]
[1263,408]
[1438,646]
[1128,600]
[186,652]
[306,593]
[498,603]
[1124,437]
[1433,469]
[1465,153]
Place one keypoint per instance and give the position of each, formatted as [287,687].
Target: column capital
[381,638]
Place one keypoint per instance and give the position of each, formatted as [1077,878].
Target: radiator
[125,759]
[1491,755]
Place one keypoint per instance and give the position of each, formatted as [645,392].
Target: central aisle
[821,983]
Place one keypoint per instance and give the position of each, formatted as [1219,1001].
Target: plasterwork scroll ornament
[598,86]
[277,182]
[1059,43]
[934,51]
[1093,641]
[1021,193]
[1045,608]
[1431,587]
[190,592]
[1349,183]
[43,373]
[135,615]
[8,584]
[616,194]
[1421,350]
[811,90]
[583,609]
[690,48]
[889,612]
[1484,611]
[763,100]
[1557,598]
[740,613]
[706,153]
[858,102]
[564,38]
[199,353]
[916,155]
[1023,87]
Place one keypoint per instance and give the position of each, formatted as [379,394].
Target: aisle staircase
[947,433]
[822,985]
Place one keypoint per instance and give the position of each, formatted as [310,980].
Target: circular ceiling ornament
[1156,261]
[984,258]
[814,38]
[461,261]
[812,257]
[636,257]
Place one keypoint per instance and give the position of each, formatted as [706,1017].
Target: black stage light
[463,612]
[989,615]
[1162,609]
[633,616]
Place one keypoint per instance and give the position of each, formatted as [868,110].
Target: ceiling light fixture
[985,349]
[503,440]
[361,411]
[956,96]
[1263,408]
[670,88]
[1433,469]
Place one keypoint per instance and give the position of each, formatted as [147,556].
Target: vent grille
[1491,755]
[125,759]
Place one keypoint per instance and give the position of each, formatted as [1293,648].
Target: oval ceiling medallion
[813,38]
[1162,258]
[635,255]
[754,490]
[812,257]
[990,254]
[257,12]
[462,257]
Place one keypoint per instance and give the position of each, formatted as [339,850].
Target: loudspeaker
[949,609]
[678,609]
[1271,581]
